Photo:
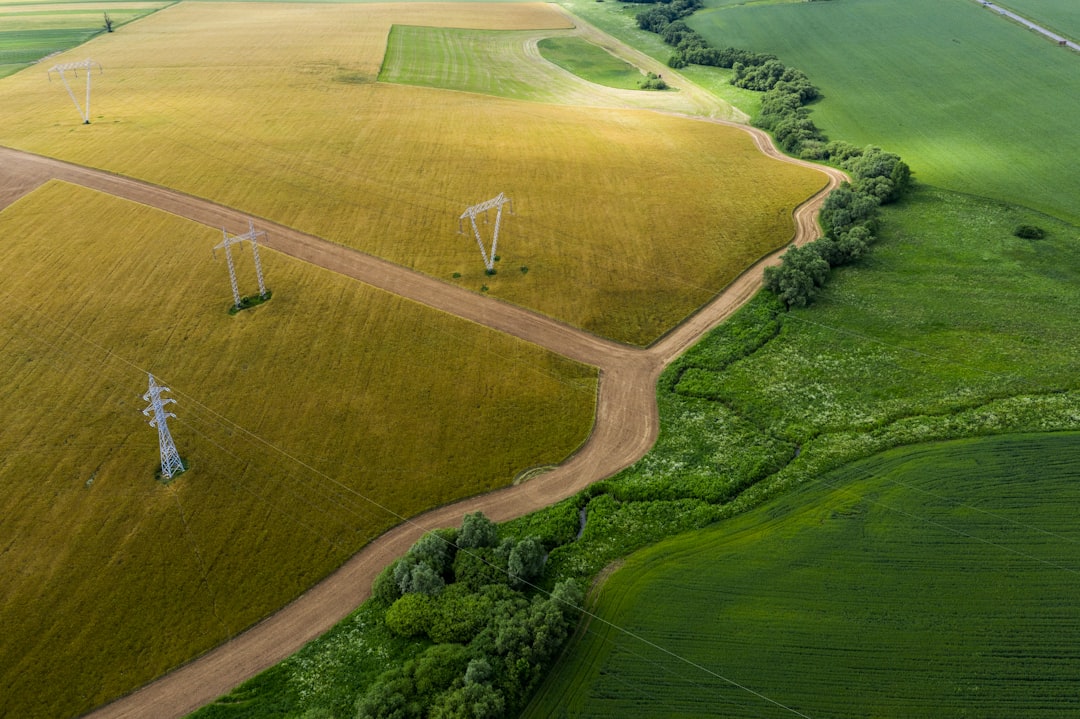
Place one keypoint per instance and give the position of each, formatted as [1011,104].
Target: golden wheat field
[301,420]
[625,220]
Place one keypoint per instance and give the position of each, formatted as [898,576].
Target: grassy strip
[930,581]
[298,418]
[491,62]
[590,62]
[987,109]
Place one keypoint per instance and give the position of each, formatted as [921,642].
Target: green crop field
[301,420]
[932,581]
[971,101]
[31,31]
[590,62]
[389,168]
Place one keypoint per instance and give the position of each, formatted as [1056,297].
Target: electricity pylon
[86,65]
[170,458]
[471,212]
[253,237]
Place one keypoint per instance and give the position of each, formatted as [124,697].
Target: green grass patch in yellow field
[591,62]
[310,424]
[627,220]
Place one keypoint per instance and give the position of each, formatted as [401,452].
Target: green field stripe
[888,588]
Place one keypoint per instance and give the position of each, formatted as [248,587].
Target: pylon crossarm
[497,204]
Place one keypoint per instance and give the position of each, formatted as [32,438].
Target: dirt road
[627,420]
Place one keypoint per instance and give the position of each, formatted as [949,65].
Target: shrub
[477,531]
[411,616]
[653,82]
[1030,232]
[526,561]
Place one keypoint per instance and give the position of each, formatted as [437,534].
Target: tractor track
[626,424]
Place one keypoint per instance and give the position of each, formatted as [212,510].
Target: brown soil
[627,421]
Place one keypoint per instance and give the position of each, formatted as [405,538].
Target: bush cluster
[653,82]
[786,89]
[1030,232]
[848,218]
[468,592]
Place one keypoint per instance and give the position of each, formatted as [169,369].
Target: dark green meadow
[971,101]
[950,328]
[930,581]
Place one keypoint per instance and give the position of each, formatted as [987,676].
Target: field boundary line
[1019,19]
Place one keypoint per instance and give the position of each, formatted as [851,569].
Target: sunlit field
[625,221]
[310,423]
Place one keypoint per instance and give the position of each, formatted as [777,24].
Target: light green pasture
[590,62]
[970,101]
[31,31]
[931,581]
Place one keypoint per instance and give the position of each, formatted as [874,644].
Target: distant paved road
[1028,24]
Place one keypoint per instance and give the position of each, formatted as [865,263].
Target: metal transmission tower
[85,65]
[253,237]
[170,458]
[471,212]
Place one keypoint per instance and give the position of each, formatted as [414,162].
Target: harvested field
[626,220]
[301,420]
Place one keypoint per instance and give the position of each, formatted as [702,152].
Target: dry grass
[292,416]
[627,220]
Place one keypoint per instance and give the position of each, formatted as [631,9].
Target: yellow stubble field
[625,220]
[297,418]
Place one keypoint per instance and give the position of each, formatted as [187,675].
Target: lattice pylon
[252,236]
[85,65]
[495,203]
[170,458]
[227,243]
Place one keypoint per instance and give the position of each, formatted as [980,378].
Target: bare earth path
[627,420]
[626,425]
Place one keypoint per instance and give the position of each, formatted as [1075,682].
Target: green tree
[477,531]
[796,280]
[526,561]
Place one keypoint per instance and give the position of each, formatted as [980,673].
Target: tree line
[492,634]
[848,218]
[848,215]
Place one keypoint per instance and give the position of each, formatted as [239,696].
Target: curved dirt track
[626,426]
